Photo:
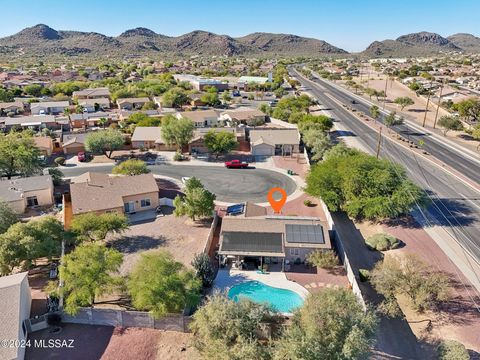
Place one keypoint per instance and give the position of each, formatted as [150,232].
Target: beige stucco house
[269,142]
[16,301]
[32,191]
[101,193]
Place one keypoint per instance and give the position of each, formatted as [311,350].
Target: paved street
[230,185]
[453,218]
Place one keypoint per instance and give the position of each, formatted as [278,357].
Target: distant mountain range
[41,41]
[422,44]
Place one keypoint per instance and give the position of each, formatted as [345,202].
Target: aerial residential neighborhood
[245,191]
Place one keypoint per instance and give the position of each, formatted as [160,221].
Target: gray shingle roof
[13,189]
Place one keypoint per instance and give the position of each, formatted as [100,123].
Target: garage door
[263,150]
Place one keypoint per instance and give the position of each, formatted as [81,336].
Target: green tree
[131,167]
[225,329]
[322,122]
[197,202]
[18,155]
[103,122]
[469,109]
[210,98]
[476,134]
[8,217]
[325,259]
[448,123]
[317,141]
[23,243]
[403,102]
[220,142]
[88,272]
[150,105]
[105,141]
[411,277]
[175,97]
[79,109]
[57,176]
[363,186]
[204,269]
[374,112]
[162,285]
[96,227]
[33,90]
[392,120]
[177,131]
[330,325]
[226,97]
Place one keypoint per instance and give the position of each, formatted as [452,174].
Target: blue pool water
[282,300]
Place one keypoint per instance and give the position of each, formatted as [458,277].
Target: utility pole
[438,105]
[385,95]
[379,141]
[428,101]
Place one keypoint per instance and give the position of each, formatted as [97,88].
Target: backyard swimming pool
[282,300]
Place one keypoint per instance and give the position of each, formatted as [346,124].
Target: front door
[129,207]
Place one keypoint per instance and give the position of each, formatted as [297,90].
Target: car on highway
[236,164]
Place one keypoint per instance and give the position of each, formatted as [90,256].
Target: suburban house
[244,116]
[45,144]
[150,137]
[132,103]
[15,107]
[269,142]
[202,118]
[73,143]
[95,93]
[85,120]
[48,107]
[274,240]
[200,83]
[36,122]
[27,192]
[92,105]
[16,301]
[197,144]
[101,193]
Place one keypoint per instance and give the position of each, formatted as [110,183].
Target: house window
[145,203]
[293,251]
[32,201]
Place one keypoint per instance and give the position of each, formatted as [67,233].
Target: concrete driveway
[230,185]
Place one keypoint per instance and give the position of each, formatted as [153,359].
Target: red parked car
[236,164]
[82,156]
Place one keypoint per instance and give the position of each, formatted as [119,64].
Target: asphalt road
[455,206]
[230,185]
[452,157]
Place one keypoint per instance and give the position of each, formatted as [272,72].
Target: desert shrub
[325,259]
[382,242]
[452,350]
[307,202]
[60,161]
[363,274]
[178,156]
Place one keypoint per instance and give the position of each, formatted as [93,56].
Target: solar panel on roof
[235,209]
[297,233]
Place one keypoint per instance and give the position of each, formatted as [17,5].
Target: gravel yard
[180,236]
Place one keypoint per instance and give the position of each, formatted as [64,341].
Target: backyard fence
[123,318]
[211,233]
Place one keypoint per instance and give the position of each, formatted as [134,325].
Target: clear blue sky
[349,24]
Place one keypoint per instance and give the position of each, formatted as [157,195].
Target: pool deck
[226,278]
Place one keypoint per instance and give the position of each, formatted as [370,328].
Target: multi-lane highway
[466,163]
[453,218]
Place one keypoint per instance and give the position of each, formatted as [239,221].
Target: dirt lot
[109,343]
[178,235]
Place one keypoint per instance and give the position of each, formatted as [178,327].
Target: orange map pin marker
[277,204]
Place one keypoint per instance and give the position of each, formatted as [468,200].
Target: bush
[325,259]
[60,161]
[382,242]
[363,274]
[307,203]
[452,350]
[178,156]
